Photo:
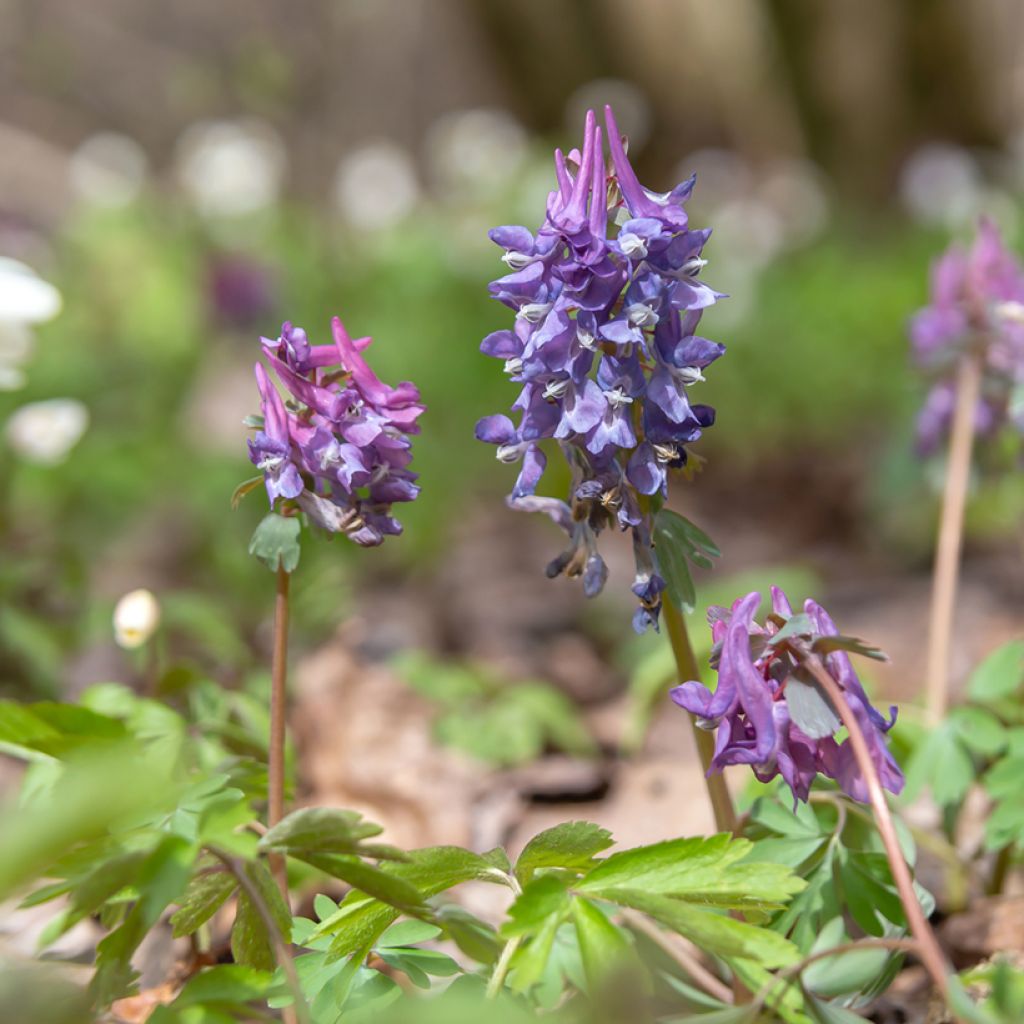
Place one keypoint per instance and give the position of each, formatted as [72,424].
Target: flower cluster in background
[767,709]
[604,349]
[977,305]
[339,448]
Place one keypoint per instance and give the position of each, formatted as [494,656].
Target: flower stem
[501,968]
[718,792]
[278,709]
[928,946]
[947,549]
[298,1012]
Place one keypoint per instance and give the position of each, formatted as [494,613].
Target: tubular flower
[339,447]
[607,301]
[769,712]
[977,305]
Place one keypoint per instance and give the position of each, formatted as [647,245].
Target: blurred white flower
[795,190]
[631,106]
[136,618]
[375,186]
[722,176]
[477,150]
[45,432]
[747,233]
[940,184]
[231,168]
[24,296]
[16,345]
[108,169]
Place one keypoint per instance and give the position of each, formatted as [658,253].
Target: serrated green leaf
[572,845]
[276,542]
[205,895]
[1000,674]
[714,933]
[603,946]
[545,896]
[360,920]
[319,830]
[701,870]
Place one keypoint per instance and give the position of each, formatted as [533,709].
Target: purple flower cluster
[339,448]
[604,351]
[755,705]
[977,305]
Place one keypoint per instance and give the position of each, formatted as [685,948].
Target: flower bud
[136,618]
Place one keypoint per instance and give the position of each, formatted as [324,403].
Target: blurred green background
[190,175]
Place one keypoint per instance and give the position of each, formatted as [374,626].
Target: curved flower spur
[604,350]
[771,712]
[339,448]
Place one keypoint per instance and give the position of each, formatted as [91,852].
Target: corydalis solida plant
[769,710]
[605,351]
[339,449]
[977,310]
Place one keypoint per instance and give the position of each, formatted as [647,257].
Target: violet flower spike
[339,448]
[977,305]
[757,715]
[607,299]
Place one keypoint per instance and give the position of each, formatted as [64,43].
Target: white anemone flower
[24,296]
[375,187]
[136,618]
[45,432]
[231,168]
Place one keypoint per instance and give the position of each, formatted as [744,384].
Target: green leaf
[161,880]
[276,542]
[251,942]
[713,933]
[205,895]
[672,547]
[408,933]
[360,920]
[244,488]
[474,937]
[846,973]
[796,625]
[531,961]
[603,946]
[232,984]
[326,830]
[852,645]
[572,844]
[979,730]
[700,870]
[810,708]
[941,764]
[999,675]
[544,897]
